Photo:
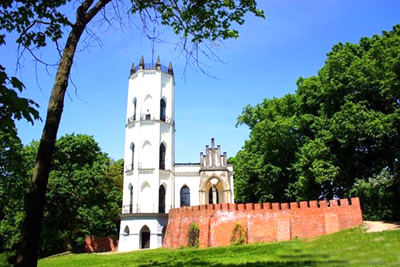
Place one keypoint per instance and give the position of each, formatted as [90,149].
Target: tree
[37,22]
[83,197]
[337,136]
[14,181]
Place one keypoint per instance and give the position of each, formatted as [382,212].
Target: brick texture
[100,244]
[263,222]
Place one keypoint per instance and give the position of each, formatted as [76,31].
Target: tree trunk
[27,254]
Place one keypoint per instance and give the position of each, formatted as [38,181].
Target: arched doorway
[145,237]
[214,192]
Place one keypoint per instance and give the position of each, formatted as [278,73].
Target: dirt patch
[379,226]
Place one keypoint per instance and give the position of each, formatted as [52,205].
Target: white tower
[149,156]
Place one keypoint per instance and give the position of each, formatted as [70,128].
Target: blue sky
[264,62]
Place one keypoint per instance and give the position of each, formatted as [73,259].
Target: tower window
[134,108]
[161,199]
[130,198]
[162,157]
[132,155]
[162,110]
[185,196]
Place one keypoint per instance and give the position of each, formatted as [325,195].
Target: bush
[379,196]
[193,236]
[238,235]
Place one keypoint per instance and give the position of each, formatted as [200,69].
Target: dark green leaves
[13,107]
[337,136]
[199,20]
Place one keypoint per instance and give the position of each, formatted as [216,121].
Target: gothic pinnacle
[141,63]
[170,70]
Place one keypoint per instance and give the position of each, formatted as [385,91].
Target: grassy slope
[351,247]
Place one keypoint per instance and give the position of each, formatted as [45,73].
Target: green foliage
[238,235]
[83,198]
[340,126]
[13,107]
[351,247]
[201,20]
[13,187]
[193,235]
[381,200]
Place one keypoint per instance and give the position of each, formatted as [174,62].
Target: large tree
[38,22]
[336,136]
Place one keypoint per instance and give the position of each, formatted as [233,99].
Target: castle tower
[149,156]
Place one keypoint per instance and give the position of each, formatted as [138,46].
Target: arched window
[126,230]
[130,198]
[134,108]
[162,157]
[162,110]
[211,196]
[132,155]
[185,196]
[161,199]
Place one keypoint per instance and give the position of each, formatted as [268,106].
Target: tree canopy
[83,198]
[338,135]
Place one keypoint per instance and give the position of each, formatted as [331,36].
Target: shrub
[193,236]
[238,235]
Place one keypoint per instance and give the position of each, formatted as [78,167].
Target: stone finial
[133,68]
[170,70]
[212,143]
[158,64]
[141,63]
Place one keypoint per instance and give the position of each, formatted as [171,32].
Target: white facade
[153,182]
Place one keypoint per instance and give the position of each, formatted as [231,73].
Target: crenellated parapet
[150,66]
[263,222]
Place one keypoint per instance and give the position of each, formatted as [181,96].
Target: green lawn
[351,247]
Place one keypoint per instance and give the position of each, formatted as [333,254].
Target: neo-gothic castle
[153,182]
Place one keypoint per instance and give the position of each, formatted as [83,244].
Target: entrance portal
[145,237]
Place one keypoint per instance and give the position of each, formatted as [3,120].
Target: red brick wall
[263,222]
[101,244]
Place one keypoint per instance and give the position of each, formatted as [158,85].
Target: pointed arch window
[130,198]
[162,110]
[132,156]
[162,157]
[134,108]
[211,196]
[126,230]
[185,196]
[161,199]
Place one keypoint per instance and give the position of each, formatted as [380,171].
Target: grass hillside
[352,247]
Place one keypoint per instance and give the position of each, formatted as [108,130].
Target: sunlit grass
[351,247]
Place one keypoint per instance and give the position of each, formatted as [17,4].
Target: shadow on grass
[258,263]
[285,260]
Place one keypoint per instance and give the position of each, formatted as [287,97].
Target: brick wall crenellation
[263,222]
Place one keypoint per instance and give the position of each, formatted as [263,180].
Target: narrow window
[161,199]
[126,230]
[134,108]
[130,198]
[185,196]
[162,110]
[133,155]
[162,157]
[210,196]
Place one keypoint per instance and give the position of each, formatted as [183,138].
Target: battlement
[313,204]
[150,66]
[263,222]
